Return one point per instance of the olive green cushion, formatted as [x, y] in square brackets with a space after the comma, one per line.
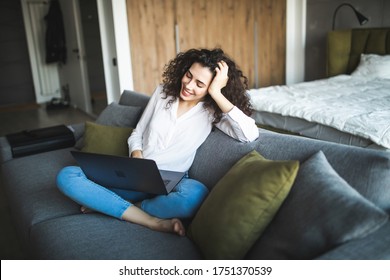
[344, 47]
[321, 212]
[116, 115]
[338, 50]
[103, 139]
[241, 205]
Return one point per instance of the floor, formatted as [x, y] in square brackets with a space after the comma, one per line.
[35, 116]
[15, 119]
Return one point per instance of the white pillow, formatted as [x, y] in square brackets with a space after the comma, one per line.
[373, 66]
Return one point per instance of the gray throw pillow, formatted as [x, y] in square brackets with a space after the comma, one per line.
[321, 212]
[119, 115]
[116, 115]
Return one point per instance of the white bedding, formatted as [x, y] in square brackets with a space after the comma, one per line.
[352, 104]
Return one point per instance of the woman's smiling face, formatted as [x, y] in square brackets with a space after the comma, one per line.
[195, 83]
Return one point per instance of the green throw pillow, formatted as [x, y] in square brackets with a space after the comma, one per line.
[241, 205]
[103, 139]
[321, 212]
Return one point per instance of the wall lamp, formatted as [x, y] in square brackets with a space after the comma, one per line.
[361, 18]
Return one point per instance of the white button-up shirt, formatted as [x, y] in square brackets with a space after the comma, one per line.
[172, 141]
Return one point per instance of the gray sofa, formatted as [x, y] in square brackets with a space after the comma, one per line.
[337, 208]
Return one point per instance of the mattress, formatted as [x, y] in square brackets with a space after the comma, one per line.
[312, 130]
[342, 109]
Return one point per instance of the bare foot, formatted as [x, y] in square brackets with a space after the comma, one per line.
[136, 215]
[170, 225]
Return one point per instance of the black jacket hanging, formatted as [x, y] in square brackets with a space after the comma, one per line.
[55, 34]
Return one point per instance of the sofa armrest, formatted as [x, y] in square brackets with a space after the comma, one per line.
[372, 247]
[78, 130]
[5, 150]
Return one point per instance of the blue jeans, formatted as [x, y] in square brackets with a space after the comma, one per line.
[182, 202]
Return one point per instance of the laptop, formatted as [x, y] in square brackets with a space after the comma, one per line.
[127, 173]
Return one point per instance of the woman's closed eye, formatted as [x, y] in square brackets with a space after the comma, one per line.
[199, 84]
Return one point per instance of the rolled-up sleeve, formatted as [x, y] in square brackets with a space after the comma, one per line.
[239, 126]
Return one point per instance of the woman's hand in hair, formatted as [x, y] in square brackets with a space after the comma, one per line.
[220, 80]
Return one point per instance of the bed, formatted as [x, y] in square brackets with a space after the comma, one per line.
[351, 106]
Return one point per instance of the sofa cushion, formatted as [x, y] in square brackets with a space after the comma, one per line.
[98, 237]
[133, 98]
[321, 212]
[223, 156]
[114, 115]
[103, 139]
[5, 150]
[119, 115]
[366, 170]
[241, 205]
[32, 192]
[370, 247]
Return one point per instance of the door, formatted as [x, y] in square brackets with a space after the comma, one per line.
[54, 80]
[74, 74]
[45, 76]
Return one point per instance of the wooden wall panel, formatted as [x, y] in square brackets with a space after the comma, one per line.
[235, 26]
[227, 24]
[152, 40]
[271, 31]
[263, 12]
[278, 74]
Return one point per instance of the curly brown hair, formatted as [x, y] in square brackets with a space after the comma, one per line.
[235, 90]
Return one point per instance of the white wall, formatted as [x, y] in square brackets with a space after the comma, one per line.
[295, 41]
[122, 42]
[106, 27]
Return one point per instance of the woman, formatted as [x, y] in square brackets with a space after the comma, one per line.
[201, 89]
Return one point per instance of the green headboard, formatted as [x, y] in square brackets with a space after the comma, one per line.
[344, 47]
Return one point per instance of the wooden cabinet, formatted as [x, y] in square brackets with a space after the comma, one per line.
[251, 32]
